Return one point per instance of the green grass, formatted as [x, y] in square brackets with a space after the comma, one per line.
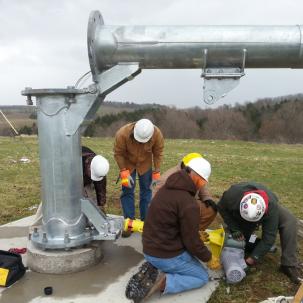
[278, 166]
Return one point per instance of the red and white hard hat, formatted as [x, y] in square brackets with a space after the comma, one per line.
[252, 207]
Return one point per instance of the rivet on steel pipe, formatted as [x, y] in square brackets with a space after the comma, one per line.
[222, 52]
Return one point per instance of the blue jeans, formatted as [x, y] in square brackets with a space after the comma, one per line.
[128, 196]
[183, 272]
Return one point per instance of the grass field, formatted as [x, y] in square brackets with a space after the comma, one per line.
[278, 166]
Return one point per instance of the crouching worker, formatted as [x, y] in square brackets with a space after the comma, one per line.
[246, 206]
[95, 169]
[207, 207]
[171, 240]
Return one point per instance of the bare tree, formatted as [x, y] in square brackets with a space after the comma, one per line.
[226, 124]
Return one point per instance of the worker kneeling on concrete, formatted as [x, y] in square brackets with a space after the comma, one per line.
[246, 206]
[207, 207]
[171, 240]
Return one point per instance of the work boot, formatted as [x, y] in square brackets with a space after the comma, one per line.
[126, 233]
[141, 282]
[291, 272]
[158, 285]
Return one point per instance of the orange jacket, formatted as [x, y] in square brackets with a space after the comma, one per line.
[131, 154]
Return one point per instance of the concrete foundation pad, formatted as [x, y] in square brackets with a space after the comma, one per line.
[103, 282]
[62, 262]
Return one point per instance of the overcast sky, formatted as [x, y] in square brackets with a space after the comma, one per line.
[43, 45]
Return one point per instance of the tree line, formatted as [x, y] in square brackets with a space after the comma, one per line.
[277, 120]
[267, 120]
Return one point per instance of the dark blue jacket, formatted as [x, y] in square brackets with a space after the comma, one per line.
[229, 208]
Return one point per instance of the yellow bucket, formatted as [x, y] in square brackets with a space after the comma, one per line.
[216, 241]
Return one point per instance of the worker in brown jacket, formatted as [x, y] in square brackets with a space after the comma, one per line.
[171, 240]
[138, 146]
[207, 207]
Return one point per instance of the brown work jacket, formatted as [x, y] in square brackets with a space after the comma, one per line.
[131, 154]
[172, 223]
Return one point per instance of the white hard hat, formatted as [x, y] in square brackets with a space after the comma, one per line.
[252, 207]
[201, 167]
[99, 168]
[143, 130]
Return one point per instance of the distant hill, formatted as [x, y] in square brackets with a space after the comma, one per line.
[114, 107]
[266, 120]
[107, 107]
[20, 109]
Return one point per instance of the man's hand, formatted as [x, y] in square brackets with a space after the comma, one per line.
[126, 178]
[237, 235]
[155, 178]
[250, 261]
[212, 204]
[214, 263]
[204, 236]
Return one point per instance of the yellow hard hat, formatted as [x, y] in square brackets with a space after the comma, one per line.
[190, 156]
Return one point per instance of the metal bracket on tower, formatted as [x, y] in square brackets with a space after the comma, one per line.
[109, 80]
[219, 81]
[107, 227]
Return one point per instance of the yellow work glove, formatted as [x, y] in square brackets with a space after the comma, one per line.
[204, 236]
[214, 263]
[126, 178]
